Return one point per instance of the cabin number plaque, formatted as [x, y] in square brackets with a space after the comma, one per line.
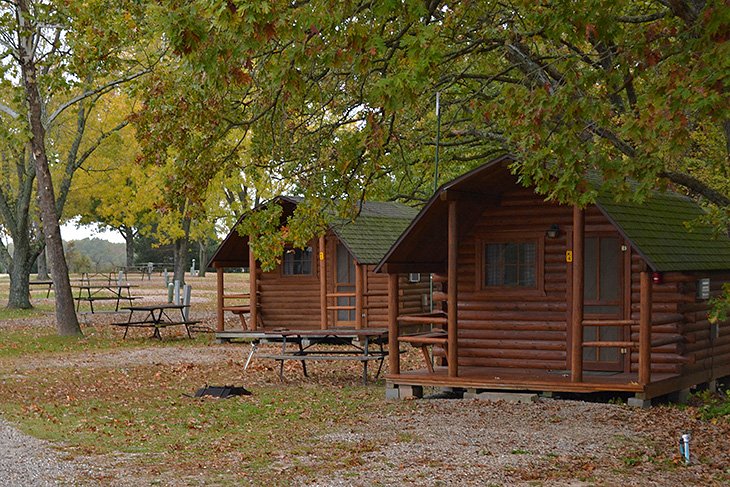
[568, 256]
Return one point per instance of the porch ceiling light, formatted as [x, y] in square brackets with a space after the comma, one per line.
[553, 231]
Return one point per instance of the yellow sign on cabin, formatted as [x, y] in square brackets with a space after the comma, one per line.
[568, 256]
[321, 256]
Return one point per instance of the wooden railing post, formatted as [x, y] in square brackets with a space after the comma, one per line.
[323, 324]
[452, 295]
[358, 295]
[645, 298]
[253, 288]
[393, 329]
[576, 305]
[220, 326]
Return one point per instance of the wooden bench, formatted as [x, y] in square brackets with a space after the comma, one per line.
[156, 326]
[424, 340]
[241, 309]
[304, 357]
[374, 356]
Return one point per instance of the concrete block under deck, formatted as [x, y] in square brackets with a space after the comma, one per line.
[639, 402]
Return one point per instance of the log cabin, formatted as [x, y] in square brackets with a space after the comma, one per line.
[551, 298]
[328, 284]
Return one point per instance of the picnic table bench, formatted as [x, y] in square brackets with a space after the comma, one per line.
[354, 346]
[436, 336]
[156, 316]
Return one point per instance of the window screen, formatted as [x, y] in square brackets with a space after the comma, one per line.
[510, 264]
[298, 262]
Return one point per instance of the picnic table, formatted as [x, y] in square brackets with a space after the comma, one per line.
[156, 316]
[341, 343]
[42, 283]
[102, 291]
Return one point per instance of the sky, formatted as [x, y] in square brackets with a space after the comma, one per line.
[70, 231]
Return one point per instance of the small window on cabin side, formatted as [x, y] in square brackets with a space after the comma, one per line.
[510, 264]
[298, 262]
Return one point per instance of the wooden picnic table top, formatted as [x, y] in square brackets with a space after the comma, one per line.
[154, 307]
[45, 283]
[333, 332]
[103, 286]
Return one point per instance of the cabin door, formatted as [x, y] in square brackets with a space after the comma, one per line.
[603, 300]
[344, 287]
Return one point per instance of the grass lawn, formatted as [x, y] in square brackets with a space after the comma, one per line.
[140, 412]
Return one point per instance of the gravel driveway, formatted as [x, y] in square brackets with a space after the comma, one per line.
[27, 461]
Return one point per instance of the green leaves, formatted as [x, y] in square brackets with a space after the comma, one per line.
[336, 99]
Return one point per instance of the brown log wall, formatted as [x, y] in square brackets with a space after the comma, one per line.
[290, 301]
[526, 330]
[294, 301]
[709, 344]
[411, 299]
[529, 330]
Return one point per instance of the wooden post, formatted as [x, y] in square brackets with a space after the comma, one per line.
[253, 288]
[576, 305]
[219, 286]
[358, 296]
[452, 316]
[393, 347]
[645, 298]
[323, 324]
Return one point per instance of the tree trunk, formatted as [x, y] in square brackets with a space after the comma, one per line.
[128, 234]
[20, 276]
[42, 266]
[66, 320]
[203, 256]
[180, 252]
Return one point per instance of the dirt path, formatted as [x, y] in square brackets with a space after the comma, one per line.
[134, 357]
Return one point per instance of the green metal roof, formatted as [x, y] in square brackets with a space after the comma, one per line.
[659, 231]
[373, 232]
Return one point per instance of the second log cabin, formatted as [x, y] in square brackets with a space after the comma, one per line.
[327, 284]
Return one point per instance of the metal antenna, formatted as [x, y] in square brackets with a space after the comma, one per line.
[435, 181]
[438, 139]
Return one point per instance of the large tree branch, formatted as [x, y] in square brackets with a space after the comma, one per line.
[615, 140]
[698, 187]
[9, 111]
[687, 10]
[641, 19]
[101, 89]
[74, 162]
[5, 256]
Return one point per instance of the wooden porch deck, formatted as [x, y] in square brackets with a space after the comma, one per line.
[520, 380]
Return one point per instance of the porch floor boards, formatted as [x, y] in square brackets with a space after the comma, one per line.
[519, 379]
